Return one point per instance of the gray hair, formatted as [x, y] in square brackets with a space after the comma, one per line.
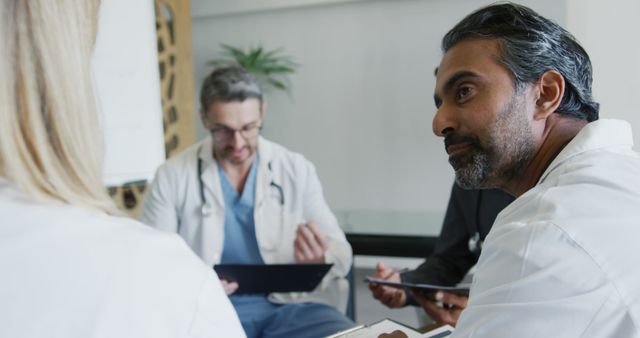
[531, 45]
[229, 84]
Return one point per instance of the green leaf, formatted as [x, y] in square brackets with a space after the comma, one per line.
[270, 67]
[277, 84]
[254, 55]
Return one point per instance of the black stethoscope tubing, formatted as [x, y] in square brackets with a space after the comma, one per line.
[203, 198]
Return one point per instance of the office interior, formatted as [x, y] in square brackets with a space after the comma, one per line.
[360, 106]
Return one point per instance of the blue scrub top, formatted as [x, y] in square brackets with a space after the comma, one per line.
[240, 243]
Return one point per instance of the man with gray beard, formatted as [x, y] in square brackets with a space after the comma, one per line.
[515, 109]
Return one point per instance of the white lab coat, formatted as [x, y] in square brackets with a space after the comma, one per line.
[173, 203]
[562, 260]
[71, 273]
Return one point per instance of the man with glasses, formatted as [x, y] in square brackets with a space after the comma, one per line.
[237, 198]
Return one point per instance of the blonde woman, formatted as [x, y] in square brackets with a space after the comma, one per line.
[70, 266]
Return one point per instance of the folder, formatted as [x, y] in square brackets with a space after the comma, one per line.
[268, 278]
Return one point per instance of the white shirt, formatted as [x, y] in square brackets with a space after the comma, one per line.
[562, 260]
[173, 203]
[68, 272]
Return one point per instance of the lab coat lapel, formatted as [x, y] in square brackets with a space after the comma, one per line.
[209, 176]
[264, 174]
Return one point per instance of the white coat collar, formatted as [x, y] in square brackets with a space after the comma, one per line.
[209, 176]
[599, 134]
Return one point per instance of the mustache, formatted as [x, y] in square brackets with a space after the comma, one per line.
[452, 139]
[231, 148]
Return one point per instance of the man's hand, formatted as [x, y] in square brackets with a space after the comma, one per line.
[310, 244]
[445, 309]
[228, 286]
[394, 334]
[389, 296]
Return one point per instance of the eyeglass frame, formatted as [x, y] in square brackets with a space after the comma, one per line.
[229, 133]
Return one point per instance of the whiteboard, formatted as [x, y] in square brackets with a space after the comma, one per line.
[127, 79]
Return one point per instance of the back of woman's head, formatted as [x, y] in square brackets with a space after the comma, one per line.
[50, 142]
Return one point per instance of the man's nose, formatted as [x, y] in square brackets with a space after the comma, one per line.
[237, 138]
[444, 121]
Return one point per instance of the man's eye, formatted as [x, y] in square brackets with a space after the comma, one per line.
[248, 128]
[463, 92]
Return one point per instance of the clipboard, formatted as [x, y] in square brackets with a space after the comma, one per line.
[460, 289]
[387, 326]
[268, 278]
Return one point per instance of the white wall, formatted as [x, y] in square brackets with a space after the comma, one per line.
[362, 99]
[125, 69]
[209, 8]
[609, 30]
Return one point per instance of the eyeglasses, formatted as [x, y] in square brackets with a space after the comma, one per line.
[224, 133]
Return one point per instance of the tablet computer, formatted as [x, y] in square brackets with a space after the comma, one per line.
[268, 278]
[461, 289]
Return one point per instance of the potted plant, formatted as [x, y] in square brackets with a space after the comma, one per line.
[270, 67]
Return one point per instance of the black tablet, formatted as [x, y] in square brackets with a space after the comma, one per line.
[461, 289]
[268, 278]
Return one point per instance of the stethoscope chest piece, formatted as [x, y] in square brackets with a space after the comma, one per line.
[206, 210]
[475, 243]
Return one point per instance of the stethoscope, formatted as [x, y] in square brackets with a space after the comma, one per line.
[475, 241]
[206, 210]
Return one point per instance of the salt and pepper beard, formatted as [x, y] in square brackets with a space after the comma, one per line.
[509, 149]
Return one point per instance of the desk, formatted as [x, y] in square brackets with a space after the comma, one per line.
[391, 232]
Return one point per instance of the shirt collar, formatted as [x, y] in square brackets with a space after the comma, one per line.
[595, 135]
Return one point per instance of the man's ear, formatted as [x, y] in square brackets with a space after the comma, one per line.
[550, 91]
[263, 109]
[204, 119]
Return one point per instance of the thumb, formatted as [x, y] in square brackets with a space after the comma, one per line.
[382, 270]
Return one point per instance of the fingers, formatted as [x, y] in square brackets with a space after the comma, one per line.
[442, 315]
[382, 271]
[386, 273]
[228, 286]
[317, 235]
[438, 314]
[452, 299]
[394, 334]
[310, 245]
[302, 251]
[389, 296]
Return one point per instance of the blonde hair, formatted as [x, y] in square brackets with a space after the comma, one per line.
[50, 140]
